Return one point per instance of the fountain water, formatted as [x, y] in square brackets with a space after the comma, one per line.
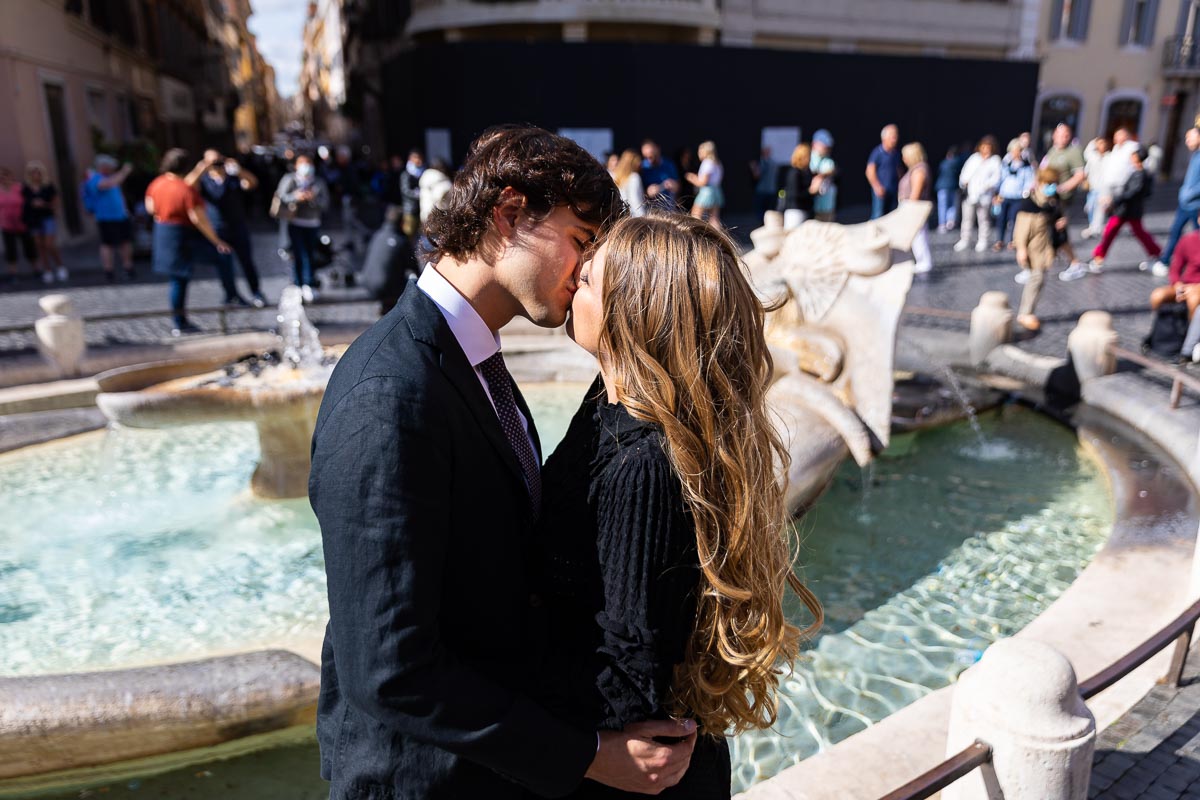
[280, 394]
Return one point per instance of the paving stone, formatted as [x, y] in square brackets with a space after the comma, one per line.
[1114, 766]
[1156, 792]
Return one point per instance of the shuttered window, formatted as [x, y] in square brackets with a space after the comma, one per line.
[1069, 20]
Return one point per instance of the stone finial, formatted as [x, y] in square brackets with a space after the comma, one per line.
[991, 325]
[768, 240]
[1022, 699]
[1088, 345]
[60, 334]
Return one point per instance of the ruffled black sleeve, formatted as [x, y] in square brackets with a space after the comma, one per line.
[647, 552]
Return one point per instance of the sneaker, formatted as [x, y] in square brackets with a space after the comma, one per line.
[1095, 267]
[941, 229]
[62, 274]
[184, 328]
[961, 245]
[1073, 272]
[921, 269]
[1159, 269]
[236, 301]
[258, 301]
[47, 276]
[981, 246]
[997, 247]
[1022, 277]
[307, 293]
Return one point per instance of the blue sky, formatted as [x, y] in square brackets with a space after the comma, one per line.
[279, 27]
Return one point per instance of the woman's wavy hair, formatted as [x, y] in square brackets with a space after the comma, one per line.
[682, 333]
[547, 169]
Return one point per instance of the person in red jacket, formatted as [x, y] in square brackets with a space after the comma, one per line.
[1183, 281]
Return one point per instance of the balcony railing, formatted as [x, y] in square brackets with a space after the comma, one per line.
[1181, 57]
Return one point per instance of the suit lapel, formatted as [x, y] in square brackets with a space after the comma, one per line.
[428, 325]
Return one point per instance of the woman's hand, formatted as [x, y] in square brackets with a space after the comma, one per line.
[222, 247]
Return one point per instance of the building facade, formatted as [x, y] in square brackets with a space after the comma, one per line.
[322, 92]
[131, 77]
[1110, 63]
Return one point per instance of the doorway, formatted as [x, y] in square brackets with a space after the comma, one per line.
[56, 112]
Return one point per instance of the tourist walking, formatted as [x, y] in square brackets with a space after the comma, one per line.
[659, 177]
[709, 196]
[917, 185]
[1016, 180]
[104, 199]
[303, 198]
[883, 172]
[824, 170]
[410, 193]
[979, 179]
[434, 185]
[1189, 203]
[1039, 216]
[183, 234]
[766, 182]
[947, 190]
[1095, 206]
[12, 226]
[796, 201]
[223, 184]
[41, 205]
[1128, 206]
[627, 177]
[1065, 157]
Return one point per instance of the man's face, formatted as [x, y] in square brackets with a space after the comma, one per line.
[1062, 136]
[587, 310]
[416, 160]
[540, 265]
[650, 152]
[1102, 146]
[1192, 140]
[1120, 137]
[890, 137]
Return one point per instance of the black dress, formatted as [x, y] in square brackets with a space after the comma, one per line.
[619, 575]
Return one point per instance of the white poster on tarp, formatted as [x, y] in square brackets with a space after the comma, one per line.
[596, 141]
[437, 144]
[782, 142]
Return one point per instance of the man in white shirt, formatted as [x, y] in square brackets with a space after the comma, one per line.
[426, 482]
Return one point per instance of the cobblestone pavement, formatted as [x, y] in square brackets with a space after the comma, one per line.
[1153, 752]
[957, 281]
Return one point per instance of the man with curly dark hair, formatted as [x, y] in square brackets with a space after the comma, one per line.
[426, 482]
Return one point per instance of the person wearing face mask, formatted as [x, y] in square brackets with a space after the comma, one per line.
[1039, 217]
[303, 197]
[222, 185]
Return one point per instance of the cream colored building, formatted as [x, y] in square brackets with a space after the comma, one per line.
[65, 80]
[966, 28]
[1106, 63]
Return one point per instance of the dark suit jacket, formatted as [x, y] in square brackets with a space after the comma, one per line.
[434, 634]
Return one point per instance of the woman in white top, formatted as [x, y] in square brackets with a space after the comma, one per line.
[979, 180]
[709, 198]
[629, 182]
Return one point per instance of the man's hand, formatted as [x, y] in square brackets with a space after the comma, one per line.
[878, 189]
[630, 760]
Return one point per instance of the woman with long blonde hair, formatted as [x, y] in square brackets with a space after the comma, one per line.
[663, 526]
[629, 182]
[710, 198]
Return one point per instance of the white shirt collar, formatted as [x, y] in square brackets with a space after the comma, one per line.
[477, 340]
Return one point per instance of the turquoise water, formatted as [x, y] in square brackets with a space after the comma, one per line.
[147, 539]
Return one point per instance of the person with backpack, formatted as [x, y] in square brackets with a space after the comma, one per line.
[1128, 206]
[104, 199]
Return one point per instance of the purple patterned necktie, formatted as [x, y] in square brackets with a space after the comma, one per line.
[499, 383]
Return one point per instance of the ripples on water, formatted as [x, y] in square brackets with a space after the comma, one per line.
[144, 546]
[962, 540]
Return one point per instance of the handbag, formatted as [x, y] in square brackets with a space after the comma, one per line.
[278, 210]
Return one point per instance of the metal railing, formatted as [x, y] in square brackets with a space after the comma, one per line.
[1181, 56]
[1179, 630]
[1179, 378]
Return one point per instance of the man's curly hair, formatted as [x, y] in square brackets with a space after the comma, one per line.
[549, 170]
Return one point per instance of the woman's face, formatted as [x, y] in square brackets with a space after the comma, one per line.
[985, 150]
[587, 308]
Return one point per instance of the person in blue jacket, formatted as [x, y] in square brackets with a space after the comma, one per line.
[1189, 203]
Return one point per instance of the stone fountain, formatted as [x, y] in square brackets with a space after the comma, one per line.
[279, 392]
[839, 291]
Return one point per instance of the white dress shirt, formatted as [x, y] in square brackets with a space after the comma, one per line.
[477, 340]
